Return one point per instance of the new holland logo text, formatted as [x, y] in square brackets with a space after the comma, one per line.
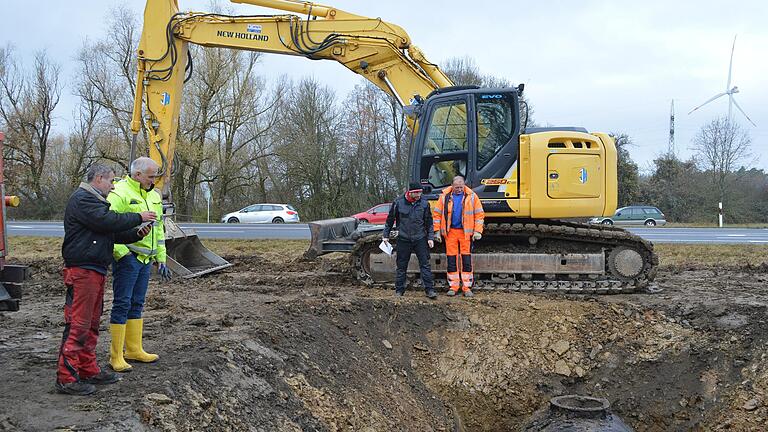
[246, 36]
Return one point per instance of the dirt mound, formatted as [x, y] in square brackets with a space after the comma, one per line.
[282, 344]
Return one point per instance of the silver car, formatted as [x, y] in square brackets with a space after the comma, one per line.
[263, 213]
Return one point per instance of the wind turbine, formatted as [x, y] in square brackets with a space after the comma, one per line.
[730, 91]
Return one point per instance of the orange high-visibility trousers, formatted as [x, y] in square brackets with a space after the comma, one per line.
[458, 249]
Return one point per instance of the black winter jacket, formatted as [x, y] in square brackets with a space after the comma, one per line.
[414, 220]
[91, 229]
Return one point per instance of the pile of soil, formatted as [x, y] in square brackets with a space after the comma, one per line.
[283, 344]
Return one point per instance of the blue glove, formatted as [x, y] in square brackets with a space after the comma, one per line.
[164, 272]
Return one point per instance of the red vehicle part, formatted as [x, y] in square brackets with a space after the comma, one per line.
[376, 215]
[11, 276]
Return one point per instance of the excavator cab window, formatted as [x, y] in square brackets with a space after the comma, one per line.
[445, 150]
[495, 126]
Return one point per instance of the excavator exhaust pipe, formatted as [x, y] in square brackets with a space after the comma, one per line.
[187, 257]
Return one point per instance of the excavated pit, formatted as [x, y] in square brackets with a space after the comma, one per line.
[282, 344]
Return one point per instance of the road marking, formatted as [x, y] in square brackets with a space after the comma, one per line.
[736, 235]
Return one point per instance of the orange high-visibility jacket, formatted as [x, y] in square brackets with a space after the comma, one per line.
[473, 216]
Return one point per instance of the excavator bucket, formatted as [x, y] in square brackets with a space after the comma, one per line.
[337, 235]
[331, 235]
[187, 257]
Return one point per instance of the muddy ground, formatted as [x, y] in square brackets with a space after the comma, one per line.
[277, 344]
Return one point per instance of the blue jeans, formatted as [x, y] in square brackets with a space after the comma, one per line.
[130, 279]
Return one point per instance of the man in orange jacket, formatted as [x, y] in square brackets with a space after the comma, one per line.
[458, 217]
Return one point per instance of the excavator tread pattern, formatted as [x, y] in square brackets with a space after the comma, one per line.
[605, 236]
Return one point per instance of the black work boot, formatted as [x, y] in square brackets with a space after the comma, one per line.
[77, 388]
[101, 378]
[431, 294]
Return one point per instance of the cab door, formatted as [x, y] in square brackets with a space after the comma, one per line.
[444, 138]
[497, 126]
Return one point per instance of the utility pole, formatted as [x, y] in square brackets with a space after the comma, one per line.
[671, 149]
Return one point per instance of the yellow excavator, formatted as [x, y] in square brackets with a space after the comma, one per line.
[527, 178]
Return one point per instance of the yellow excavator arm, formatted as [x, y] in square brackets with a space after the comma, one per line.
[379, 51]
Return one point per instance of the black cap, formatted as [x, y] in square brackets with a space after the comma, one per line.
[414, 186]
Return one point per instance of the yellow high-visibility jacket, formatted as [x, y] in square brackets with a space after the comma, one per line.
[129, 197]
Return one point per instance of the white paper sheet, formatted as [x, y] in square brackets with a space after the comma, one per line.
[386, 247]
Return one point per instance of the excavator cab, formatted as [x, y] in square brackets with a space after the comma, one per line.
[471, 132]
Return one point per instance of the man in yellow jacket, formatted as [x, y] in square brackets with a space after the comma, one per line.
[132, 265]
[458, 218]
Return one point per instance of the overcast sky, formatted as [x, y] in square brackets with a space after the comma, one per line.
[610, 66]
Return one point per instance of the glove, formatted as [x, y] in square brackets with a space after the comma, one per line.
[476, 236]
[164, 272]
[386, 239]
[430, 243]
[437, 237]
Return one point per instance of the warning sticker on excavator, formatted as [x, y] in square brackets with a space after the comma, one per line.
[254, 28]
[165, 99]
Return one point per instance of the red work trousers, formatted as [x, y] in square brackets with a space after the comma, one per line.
[459, 251]
[82, 311]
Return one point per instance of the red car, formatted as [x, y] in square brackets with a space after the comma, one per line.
[375, 215]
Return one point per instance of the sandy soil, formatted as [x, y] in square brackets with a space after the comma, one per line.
[277, 344]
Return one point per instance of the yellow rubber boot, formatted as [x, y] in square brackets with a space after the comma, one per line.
[116, 359]
[133, 348]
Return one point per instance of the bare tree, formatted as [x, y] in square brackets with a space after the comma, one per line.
[240, 137]
[108, 72]
[81, 144]
[721, 146]
[27, 101]
[314, 157]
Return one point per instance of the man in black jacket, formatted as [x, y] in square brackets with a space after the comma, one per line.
[90, 231]
[413, 216]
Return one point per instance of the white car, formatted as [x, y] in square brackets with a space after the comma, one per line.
[263, 213]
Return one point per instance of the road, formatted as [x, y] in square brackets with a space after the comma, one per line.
[301, 232]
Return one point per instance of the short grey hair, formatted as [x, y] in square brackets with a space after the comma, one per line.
[98, 170]
[142, 164]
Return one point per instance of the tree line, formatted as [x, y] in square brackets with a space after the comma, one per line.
[248, 139]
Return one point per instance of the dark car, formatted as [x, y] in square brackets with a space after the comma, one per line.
[633, 215]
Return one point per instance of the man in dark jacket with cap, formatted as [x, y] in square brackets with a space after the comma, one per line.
[413, 218]
[90, 231]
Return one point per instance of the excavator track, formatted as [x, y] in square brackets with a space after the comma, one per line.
[630, 263]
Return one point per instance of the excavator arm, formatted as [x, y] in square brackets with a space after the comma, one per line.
[379, 51]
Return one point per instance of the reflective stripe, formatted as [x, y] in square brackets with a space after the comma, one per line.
[141, 250]
[161, 242]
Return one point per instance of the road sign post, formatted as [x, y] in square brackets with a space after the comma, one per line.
[720, 214]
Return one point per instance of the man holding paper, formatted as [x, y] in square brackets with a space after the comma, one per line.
[412, 216]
